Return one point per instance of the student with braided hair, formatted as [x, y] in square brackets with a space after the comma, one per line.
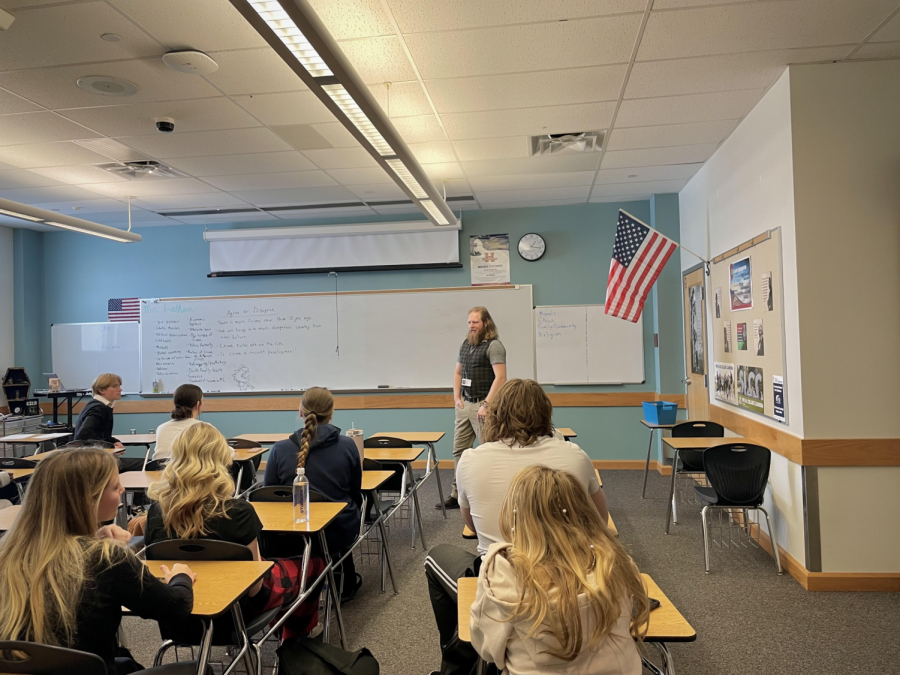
[332, 467]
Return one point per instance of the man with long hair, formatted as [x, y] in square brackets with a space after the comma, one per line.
[480, 372]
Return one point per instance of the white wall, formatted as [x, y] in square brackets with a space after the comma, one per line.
[7, 345]
[745, 188]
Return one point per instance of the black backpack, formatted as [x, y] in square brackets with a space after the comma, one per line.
[303, 656]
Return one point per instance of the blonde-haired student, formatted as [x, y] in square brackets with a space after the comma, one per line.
[559, 594]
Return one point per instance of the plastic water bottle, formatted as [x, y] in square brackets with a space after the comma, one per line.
[301, 497]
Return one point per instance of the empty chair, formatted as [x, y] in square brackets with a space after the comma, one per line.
[9, 463]
[737, 474]
[688, 461]
[37, 659]
[244, 480]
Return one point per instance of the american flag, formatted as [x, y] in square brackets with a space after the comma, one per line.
[639, 255]
[124, 309]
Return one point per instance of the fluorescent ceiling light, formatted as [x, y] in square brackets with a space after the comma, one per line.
[96, 234]
[435, 212]
[354, 113]
[403, 174]
[292, 37]
[54, 219]
[21, 215]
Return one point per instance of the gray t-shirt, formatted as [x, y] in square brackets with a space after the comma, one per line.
[496, 353]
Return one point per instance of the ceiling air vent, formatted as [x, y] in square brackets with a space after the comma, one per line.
[142, 170]
[566, 144]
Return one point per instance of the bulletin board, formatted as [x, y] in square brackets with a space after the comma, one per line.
[748, 369]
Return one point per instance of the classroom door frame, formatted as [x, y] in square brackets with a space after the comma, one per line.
[696, 384]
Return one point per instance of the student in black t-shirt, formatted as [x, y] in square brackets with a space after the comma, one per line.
[64, 579]
[194, 500]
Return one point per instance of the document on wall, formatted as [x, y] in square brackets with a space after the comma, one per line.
[778, 397]
[750, 388]
[758, 337]
[489, 259]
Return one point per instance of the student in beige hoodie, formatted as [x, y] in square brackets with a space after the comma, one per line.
[560, 594]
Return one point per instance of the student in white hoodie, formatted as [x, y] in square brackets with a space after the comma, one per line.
[188, 400]
[559, 594]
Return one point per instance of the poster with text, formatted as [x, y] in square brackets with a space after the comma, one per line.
[718, 303]
[727, 330]
[778, 397]
[740, 286]
[489, 259]
[750, 388]
[742, 337]
[767, 290]
[758, 337]
[725, 382]
[695, 296]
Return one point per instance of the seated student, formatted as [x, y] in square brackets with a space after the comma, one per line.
[64, 579]
[557, 594]
[193, 500]
[188, 400]
[518, 432]
[332, 467]
[95, 423]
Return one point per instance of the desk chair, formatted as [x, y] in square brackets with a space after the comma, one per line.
[685, 462]
[242, 483]
[17, 463]
[738, 473]
[41, 659]
[225, 633]
[400, 478]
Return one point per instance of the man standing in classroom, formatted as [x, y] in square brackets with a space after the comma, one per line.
[480, 372]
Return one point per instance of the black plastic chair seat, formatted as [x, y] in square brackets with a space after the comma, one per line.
[16, 463]
[709, 496]
[43, 659]
[179, 668]
[253, 625]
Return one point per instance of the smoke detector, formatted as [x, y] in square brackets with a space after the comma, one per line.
[142, 170]
[190, 62]
[107, 86]
[568, 143]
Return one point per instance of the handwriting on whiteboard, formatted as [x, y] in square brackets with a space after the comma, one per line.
[549, 327]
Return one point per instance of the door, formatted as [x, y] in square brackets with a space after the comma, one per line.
[697, 380]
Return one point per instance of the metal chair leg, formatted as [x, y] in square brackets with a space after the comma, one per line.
[705, 526]
[670, 509]
[419, 520]
[386, 555]
[161, 652]
[647, 465]
[668, 662]
[772, 539]
[437, 477]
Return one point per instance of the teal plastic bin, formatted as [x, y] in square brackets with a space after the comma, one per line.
[660, 412]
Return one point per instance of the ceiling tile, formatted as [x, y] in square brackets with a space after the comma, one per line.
[878, 50]
[48, 154]
[20, 178]
[341, 158]
[252, 217]
[81, 209]
[205, 114]
[398, 209]
[40, 195]
[378, 192]
[48, 36]
[361, 176]
[401, 99]
[522, 48]
[10, 103]
[691, 108]
[553, 164]
[533, 204]
[529, 121]
[229, 165]
[890, 32]
[630, 138]
[683, 4]
[442, 170]
[527, 90]
[757, 26]
[270, 181]
[434, 152]
[647, 173]
[532, 181]
[302, 107]
[200, 143]
[621, 198]
[319, 214]
[379, 59]
[291, 196]
[302, 136]
[57, 87]
[139, 218]
[337, 134]
[143, 188]
[347, 19]
[455, 187]
[40, 127]
[79, 175]
[420, 129]
[414, 16]
[536, 194]
[727, 72]
[650, 187]
[204, 25]
[492, 148]
[189, 201]
[17, 4]
[679, 154]
[254, 71]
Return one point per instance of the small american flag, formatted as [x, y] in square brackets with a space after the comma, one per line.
[124, 309]
[639, 254]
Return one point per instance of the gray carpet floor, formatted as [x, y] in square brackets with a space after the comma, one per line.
[749, 620]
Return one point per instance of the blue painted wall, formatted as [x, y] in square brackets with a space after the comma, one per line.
[174, 261]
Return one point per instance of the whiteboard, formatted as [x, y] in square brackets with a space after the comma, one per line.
[579, 344]
[350, 340]
[81, 351]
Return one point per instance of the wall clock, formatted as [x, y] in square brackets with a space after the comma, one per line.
[532, 247]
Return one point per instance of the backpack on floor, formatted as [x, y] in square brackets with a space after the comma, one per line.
[302, 656]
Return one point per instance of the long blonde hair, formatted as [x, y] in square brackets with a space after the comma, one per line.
[558, 540]
[317, 406]
[196, 483]
[47, 555]
[520, 412]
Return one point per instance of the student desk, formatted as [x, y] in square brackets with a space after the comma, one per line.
[405, 457]
[371, 482]
[138, 481]
[428, 439]
[279, 517]
[31, 439]
[219, 586]
[689, 443]
[666, 622]
[652, 427]
[8, 516]
[264, 439]
[137, 439]
[44, 455]
[567, 433]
